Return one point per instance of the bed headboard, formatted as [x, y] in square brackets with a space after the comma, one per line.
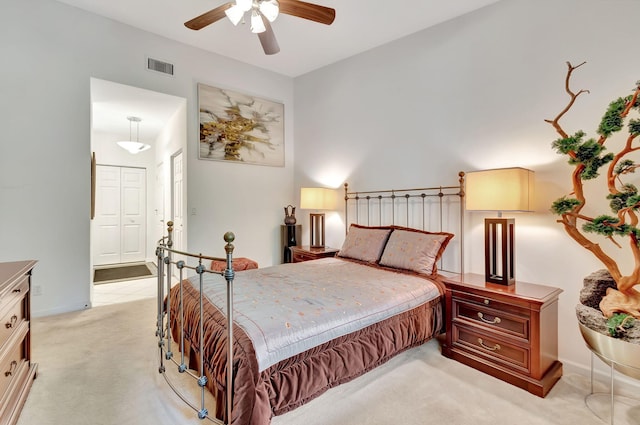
[436, 209]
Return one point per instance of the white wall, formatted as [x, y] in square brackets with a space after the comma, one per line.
[473, 94]
[49, 53]
[169, 142]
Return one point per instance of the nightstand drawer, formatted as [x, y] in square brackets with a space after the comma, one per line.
[491, 347]
[301, 256]
[491, 314]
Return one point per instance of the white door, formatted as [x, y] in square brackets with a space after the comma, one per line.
[177, 201]
[107, 218]
[133, 218]
[120, 223]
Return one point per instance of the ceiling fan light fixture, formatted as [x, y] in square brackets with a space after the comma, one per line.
[244, 5]
[234, 13]
[257, 25]
[130, 145]
[270, 9]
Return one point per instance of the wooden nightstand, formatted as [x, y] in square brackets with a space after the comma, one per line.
[509, 332]
[306, 253]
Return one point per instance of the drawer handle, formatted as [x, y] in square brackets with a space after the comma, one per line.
[12, 368]
[18, 290]
[486, 347]
[495, 320]
[11, 323]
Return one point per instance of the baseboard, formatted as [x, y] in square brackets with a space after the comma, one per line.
[59, 310]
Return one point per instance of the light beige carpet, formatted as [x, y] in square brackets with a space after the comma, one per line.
[100, 367]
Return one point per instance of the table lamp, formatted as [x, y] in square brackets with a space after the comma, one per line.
[317, 198]
[500, 190]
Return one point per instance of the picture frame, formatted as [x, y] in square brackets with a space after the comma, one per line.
[237, 127]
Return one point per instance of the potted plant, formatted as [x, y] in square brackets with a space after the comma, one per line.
[602, 160]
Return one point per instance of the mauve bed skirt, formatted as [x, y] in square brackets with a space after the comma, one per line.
[292, 382]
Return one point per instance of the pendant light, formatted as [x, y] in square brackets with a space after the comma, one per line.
[136, 146]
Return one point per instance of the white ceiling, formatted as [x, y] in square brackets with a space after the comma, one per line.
[112, 103]
[360, 25]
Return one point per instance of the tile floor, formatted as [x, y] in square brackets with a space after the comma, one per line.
[128, 290]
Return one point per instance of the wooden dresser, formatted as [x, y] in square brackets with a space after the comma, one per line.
[17, 372]
[510, 332]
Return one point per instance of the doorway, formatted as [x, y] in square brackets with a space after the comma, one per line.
[163, 125]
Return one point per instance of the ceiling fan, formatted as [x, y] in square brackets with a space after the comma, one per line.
[263, 12]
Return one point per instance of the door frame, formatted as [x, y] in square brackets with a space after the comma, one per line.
[172, 197]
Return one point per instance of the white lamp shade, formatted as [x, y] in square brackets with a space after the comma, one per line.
[317, 198]
[234, 13]
[270, 9]
[503, 189]
[257, 25]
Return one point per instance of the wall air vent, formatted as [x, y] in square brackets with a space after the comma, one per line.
[160, 66]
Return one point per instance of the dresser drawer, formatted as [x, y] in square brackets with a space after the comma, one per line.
[12, 366]
[13, 317]
[491, 314]
[14, 292]
[491, 347]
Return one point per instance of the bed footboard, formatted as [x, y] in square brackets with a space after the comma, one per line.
[168, 258]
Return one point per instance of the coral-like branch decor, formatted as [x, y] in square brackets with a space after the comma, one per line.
[588, 156]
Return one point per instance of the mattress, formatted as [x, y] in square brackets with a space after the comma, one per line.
[302, 328]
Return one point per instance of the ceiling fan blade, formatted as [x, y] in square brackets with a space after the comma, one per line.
[268, 39]
[312, 12]
[208, 18]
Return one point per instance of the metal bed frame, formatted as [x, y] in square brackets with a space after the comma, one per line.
[385, 207]
[382, 207]
[165, 253]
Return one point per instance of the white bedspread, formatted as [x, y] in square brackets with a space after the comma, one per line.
[289, 308]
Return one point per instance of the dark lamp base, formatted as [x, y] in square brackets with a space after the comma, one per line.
[499, 257]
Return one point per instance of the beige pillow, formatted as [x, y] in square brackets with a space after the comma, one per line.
[364, 243]
[414, 250]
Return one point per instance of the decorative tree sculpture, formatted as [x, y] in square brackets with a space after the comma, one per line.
[588, 157]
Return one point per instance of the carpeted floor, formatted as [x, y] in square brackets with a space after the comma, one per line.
[99, 367]
[120, 273]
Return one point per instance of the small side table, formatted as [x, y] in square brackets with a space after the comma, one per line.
[509, 332]
[306, 253]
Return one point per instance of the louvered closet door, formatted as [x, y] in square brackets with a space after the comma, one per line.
[120, 222]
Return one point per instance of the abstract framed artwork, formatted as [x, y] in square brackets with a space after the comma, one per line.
[241, 128]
